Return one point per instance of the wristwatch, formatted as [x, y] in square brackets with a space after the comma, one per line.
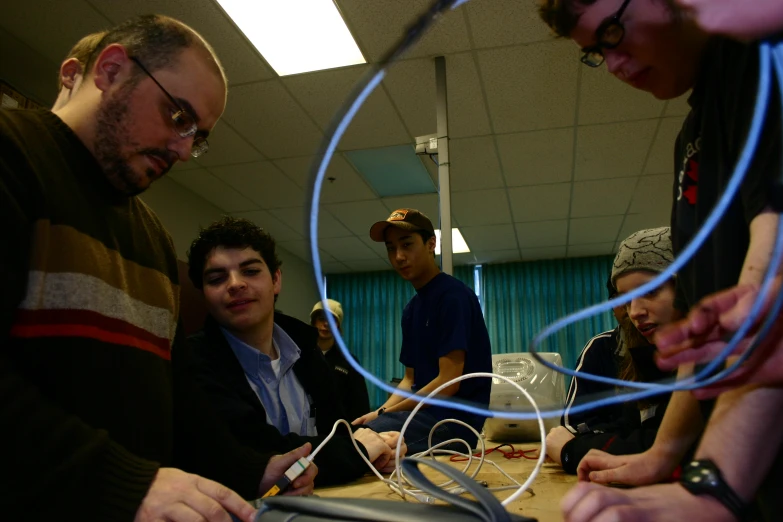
[702, 477]
[380, 411]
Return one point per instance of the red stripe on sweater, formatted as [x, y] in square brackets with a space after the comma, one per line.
[88, 318]
[90, 332]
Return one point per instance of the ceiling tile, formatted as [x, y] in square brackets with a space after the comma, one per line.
[301, 249]
[428, 204]
[378, 25]
[635, 222]
[653, 195]
[596, 249]
[540, 202]
[531, 87]
[359, 216]
[594, 230]
[240, 60]
[532, 254]
[347, 186]
[490, 237]
[661, 157]
[678, 106]
[263, 183]
[368, 265]
[348, 249]
[295, 217]
[605, 99]
[613, 150]
[533, 158]
[603, 197]
[275, 227]
[474, 164]
[465, 97]
[498, 256]
[542, 234]
[411, 85]
[481, 207]
[266, 115]
[51, 28]
[213, 190]
[226, 147]
[322, 93]
[505, 22]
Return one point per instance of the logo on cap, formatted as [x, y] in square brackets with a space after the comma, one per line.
[398, 215]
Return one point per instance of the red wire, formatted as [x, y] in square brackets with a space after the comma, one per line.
[513, 454]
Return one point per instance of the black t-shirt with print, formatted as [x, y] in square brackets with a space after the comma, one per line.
[708, 147]
[707, 150]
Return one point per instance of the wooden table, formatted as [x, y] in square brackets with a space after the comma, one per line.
[543, 504]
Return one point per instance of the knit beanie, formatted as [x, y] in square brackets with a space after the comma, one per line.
[649, 249]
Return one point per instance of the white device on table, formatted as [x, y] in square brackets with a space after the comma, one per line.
[546, 386]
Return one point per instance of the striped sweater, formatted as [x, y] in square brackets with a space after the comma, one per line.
[88, 313]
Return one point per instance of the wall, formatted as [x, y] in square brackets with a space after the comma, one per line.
[183, 213]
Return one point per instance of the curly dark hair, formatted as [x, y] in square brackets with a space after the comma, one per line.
[230, 232]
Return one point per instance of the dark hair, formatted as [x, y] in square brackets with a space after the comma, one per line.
[610, 288]
[155, 40]
[82, 52]
[563, 15]
[230, 232]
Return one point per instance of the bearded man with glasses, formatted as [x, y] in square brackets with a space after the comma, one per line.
[96, 412]
[658, 46]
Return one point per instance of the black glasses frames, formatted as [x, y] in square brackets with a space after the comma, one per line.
[184, 122]
[608, 35]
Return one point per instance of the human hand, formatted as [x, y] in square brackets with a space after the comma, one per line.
[663, 503]
[277, 466]
[178, 496]
[699, 338]
[735, 19]
[640, 469]
[555, 440]
[364, 419]
[392, 438]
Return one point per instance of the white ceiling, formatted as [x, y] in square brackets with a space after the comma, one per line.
[549, 158]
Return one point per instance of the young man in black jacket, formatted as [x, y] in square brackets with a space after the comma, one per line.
[262, 370]
[351, 387]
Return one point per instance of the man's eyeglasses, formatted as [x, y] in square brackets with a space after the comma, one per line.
[608, 36]
[183, 121]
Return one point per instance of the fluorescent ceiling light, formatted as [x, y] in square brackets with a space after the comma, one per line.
[458, 244]
[296, 36]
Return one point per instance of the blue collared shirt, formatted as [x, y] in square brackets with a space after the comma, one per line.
[285, 401]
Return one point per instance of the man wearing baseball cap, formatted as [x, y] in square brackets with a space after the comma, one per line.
[443, 337]
[351, 388]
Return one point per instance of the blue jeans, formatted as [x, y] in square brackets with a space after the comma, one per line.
[418, 430]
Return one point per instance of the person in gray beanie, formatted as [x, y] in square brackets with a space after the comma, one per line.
[641, 257]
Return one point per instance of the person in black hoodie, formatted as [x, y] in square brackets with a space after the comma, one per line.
[640, 258]
[262, 370]
[351, 387]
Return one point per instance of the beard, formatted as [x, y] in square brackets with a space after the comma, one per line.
[112, 137]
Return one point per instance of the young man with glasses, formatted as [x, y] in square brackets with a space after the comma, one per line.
[657, 46]
[93, 411]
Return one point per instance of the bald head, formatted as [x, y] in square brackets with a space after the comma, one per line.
[157, 41]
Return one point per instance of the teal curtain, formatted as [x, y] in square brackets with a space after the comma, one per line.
[372, 304]
[520, 299]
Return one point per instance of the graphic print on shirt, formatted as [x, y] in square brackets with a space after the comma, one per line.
[688, 177]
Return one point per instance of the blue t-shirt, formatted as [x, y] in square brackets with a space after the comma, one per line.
[444, 316]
